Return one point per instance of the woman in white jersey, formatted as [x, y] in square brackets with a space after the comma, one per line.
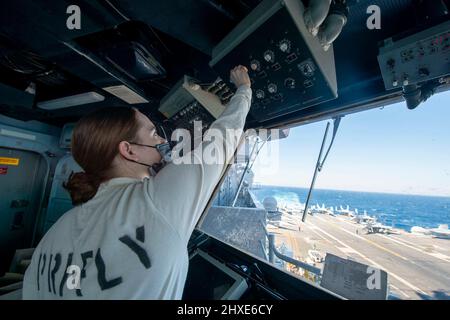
[126, 237]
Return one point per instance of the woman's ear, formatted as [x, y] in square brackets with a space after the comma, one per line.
[126, 151]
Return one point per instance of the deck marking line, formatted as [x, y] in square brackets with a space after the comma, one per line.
[411, 245]
[371, 242]
[375, 264]
[401, 291]
[436, 255]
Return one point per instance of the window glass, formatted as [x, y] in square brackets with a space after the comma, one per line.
[377, 219]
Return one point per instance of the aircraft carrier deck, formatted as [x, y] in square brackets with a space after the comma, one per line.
[418, 266]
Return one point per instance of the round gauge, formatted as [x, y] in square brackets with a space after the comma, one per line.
[272, 88]
[259, 94]
[269, 56]
[255, 65]
[284, 45]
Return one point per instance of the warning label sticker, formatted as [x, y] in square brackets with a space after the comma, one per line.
[9, 161]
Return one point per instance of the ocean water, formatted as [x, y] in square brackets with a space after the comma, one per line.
[396, 210]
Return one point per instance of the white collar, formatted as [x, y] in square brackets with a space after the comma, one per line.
[118, 181]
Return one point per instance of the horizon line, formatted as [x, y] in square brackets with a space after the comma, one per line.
[362, 191]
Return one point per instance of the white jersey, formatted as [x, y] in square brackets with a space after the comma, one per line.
[130, 240]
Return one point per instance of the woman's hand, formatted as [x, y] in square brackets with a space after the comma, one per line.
[239, 76]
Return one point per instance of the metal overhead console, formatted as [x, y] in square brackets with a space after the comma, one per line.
[288, 67]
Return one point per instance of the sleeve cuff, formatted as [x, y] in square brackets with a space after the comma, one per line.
[245, 91]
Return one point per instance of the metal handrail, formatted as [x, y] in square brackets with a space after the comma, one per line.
[293, 261]
[273, 250]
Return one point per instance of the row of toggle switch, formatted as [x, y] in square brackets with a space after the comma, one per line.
[220, 89]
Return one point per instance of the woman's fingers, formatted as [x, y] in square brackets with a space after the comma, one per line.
[239, 76]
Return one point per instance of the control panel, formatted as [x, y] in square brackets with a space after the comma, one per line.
[418, 58]
[288, 68]
[194, 107]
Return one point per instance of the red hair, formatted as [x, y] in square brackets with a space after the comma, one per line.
[95, 143]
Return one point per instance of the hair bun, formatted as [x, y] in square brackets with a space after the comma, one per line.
[82, 186]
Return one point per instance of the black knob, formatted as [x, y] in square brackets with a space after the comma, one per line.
[423, 72]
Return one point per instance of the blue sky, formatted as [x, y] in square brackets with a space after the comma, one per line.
[393, 150]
